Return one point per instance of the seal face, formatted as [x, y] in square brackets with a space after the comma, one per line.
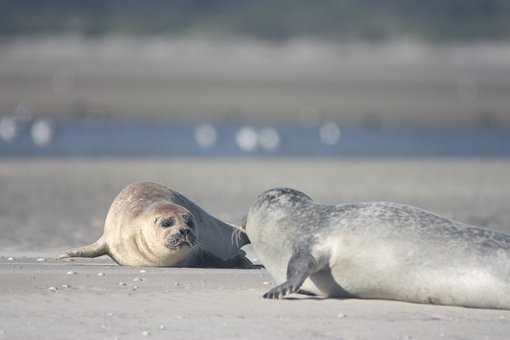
[379, 250]
[151, 225]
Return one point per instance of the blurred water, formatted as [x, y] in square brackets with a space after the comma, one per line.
[107, 138]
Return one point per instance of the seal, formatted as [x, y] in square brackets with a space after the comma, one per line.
[377, 250]
[149, 224]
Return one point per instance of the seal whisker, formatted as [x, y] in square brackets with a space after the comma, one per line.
[235, 237]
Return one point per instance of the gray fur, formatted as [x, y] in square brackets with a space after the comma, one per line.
[378, 250]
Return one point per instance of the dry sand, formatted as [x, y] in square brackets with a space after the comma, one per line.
[47, 206]
[207, 304]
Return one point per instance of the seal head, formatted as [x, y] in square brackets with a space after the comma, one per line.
[280, 197]
[174, 226]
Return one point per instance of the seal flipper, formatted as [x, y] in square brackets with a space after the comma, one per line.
[95, 249]
[301, 266]
[208, 260]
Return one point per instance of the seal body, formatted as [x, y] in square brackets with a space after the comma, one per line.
[151, 225]
[377, 250]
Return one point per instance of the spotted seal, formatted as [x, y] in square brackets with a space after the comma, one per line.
[377, 250]
[149, 224]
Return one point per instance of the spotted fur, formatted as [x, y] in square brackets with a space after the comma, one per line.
[381, 250]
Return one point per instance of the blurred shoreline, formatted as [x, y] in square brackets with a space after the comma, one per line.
[395, 83]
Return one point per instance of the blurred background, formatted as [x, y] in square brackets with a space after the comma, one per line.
[366, 99]
[221, 77]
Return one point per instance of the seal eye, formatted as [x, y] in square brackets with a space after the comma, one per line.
[168, 222]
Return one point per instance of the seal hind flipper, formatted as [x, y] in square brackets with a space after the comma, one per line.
[95, 249]
[209, 260]
[301, 265]
[245, 263]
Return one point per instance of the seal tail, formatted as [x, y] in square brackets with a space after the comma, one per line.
[95, 249]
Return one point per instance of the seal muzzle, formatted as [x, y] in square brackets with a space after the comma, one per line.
[185, 237]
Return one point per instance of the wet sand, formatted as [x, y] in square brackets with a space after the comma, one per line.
[49, 205]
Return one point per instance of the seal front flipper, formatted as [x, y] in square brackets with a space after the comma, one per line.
[95, 249]
[301, 266]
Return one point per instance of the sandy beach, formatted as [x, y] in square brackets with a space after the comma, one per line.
[47, 206]
[175, 303]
